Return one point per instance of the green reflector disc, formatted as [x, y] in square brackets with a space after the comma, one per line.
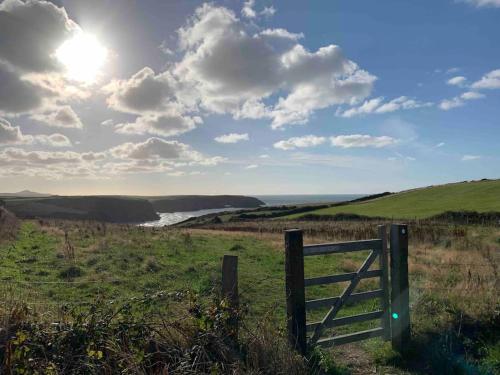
[395, 315]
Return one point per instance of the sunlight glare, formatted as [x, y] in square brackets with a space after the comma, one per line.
[83, 57]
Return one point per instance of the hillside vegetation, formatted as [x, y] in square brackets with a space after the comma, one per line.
[478, 196]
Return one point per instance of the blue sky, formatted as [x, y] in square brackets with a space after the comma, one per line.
[255, 97]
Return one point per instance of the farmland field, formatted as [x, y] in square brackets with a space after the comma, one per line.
[53, 266]
[479, 196]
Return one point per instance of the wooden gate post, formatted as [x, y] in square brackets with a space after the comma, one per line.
[384, 283]
[230, 289]
[400, 296]
[295, 290]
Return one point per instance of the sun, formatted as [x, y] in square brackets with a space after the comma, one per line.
[82, 56]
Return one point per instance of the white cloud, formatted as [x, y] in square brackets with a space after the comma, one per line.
[377, 105]
[457, 81]
[472, 95]
[484, 3]
[459, 101]
[247, 10]
[300, 142]
[359, 140]
[490, 80]
[470, 157]
[264, 156]
[226, 66]
[251, 166]
[440, 144]
[62, 117]
[11, 134]
[452, 70]
[159, 124]
[281, 33]
[53, 140]
[268, 11]
[448, 104]
[108, 122]
[232, 138]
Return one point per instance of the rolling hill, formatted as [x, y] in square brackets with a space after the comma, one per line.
[479, 196]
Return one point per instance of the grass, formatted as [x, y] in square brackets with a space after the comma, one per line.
[453, 270]
[479, 196]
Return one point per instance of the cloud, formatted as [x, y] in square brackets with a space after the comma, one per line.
[31, 31]
[62, 117]
[232, 138]
[53, 140]
[490, 80]
[300, 142]
[251, 166]
[11, 134]
[144, 91]
[377, 105]
[470, 157]
[484, 3]
[108, 122]
[440, 144]
[268, 11]
[459, 101]
[359, 140]
[457, 81]
[159, 149]
[226, 66]
[264, 156]
[281, 33]
[17, 95]
[159, 124]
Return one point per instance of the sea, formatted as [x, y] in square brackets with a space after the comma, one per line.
[169, 218]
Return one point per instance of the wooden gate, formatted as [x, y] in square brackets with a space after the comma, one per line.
[296, 284]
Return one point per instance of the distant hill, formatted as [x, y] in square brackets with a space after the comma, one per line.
[119, 209]
[25, 194]
[478, 196]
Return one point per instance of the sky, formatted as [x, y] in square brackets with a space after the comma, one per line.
[247, 97]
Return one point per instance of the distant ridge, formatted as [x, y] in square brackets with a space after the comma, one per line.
[25, 194]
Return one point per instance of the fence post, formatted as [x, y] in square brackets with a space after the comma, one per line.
[295, 290]
[400, 296]
[384, 283]
[230, 289]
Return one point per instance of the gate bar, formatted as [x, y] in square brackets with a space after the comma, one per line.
[372, 315]
[340, 278]
[351, 337]
[355, 297]
[342, 247]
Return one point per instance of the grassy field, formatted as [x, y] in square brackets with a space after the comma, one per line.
[454, 275]
[479, 196]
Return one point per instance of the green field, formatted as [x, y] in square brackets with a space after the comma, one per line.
[56, 267]
[479, 196]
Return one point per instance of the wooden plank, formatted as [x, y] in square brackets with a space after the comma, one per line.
[295, 291]
[351, 337]
[342, 247]
[400, 306]
[384, 283]
[340, 278]
[345, 294]
[355, 297]
[230, 290]
[348, 320]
